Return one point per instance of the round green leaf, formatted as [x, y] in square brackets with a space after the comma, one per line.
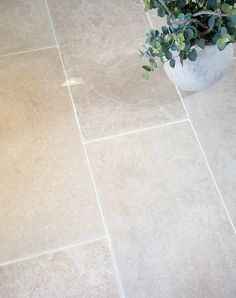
[226, 38]
[223, 31]
[147, 68]
[181, 46]
[201, 43]
[188, 34]
[181, 17]
[211, 21]
[168, 55]
[172, 63]
[164, 29]
[161, 11]
[192, 56]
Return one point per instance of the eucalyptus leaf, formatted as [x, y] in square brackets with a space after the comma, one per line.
[172, 63]
[147, 68]
[188, 34]
[201, 43]
[192, 56]
[168, 55]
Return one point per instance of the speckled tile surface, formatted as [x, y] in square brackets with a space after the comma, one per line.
[213, 113]
[100, 51]
[82, 271]
[47, 198]
[106, 186]
[24, 25]
[169, 230]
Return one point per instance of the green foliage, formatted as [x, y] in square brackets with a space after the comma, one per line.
[189, 24]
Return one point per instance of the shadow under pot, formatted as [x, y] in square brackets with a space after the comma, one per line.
[210, 66]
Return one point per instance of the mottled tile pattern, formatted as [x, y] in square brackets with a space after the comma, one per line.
[84, 271]
[170, 234]
[213, 113]
[100, 52]
[24, 25]
[47, 199]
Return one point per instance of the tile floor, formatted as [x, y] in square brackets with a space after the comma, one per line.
[110, 186]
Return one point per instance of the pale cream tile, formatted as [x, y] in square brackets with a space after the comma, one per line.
[157, 22]
[84, 271]
[46, 196]
[99, 43]
[169, 231]
[24, 25]
[213, 113]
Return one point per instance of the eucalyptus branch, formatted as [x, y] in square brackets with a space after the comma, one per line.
[176, 22]
[207, 31]
[189, 26]
[203, 12]
[217, 13]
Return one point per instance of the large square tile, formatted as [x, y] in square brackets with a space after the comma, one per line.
[84, 271]
[24, 25]
[100, 54]
[213, 113]
[46, 196]
[170, 234]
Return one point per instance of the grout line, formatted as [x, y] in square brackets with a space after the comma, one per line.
[149, 20]
[135, 131]
[28, 51]
[88, 162]
[52, 251]
[205, 158]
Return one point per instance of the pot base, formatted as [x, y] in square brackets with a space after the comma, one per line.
[209, 67]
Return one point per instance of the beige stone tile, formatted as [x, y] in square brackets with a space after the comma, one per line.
[169, 231]
[47, 199]
[24, 25]
[100, 52]
[213, 113]
[84, 271]
[157, 21]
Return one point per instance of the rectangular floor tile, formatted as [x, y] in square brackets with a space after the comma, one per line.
[169, 231]
[100, 54]
[46, 196]
[84, 271]
[213, 113]
[24, 25]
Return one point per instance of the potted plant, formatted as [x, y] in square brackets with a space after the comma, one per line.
[195, 45]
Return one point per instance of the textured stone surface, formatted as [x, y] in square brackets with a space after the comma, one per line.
[84, 271]
[169, 231]
[47, 199]
[100, 52]
[213, 113]
[24, 25]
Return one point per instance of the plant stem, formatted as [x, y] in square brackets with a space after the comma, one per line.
[217, 13]
[177, 22]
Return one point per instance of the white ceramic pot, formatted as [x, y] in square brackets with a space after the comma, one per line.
[209, 67]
